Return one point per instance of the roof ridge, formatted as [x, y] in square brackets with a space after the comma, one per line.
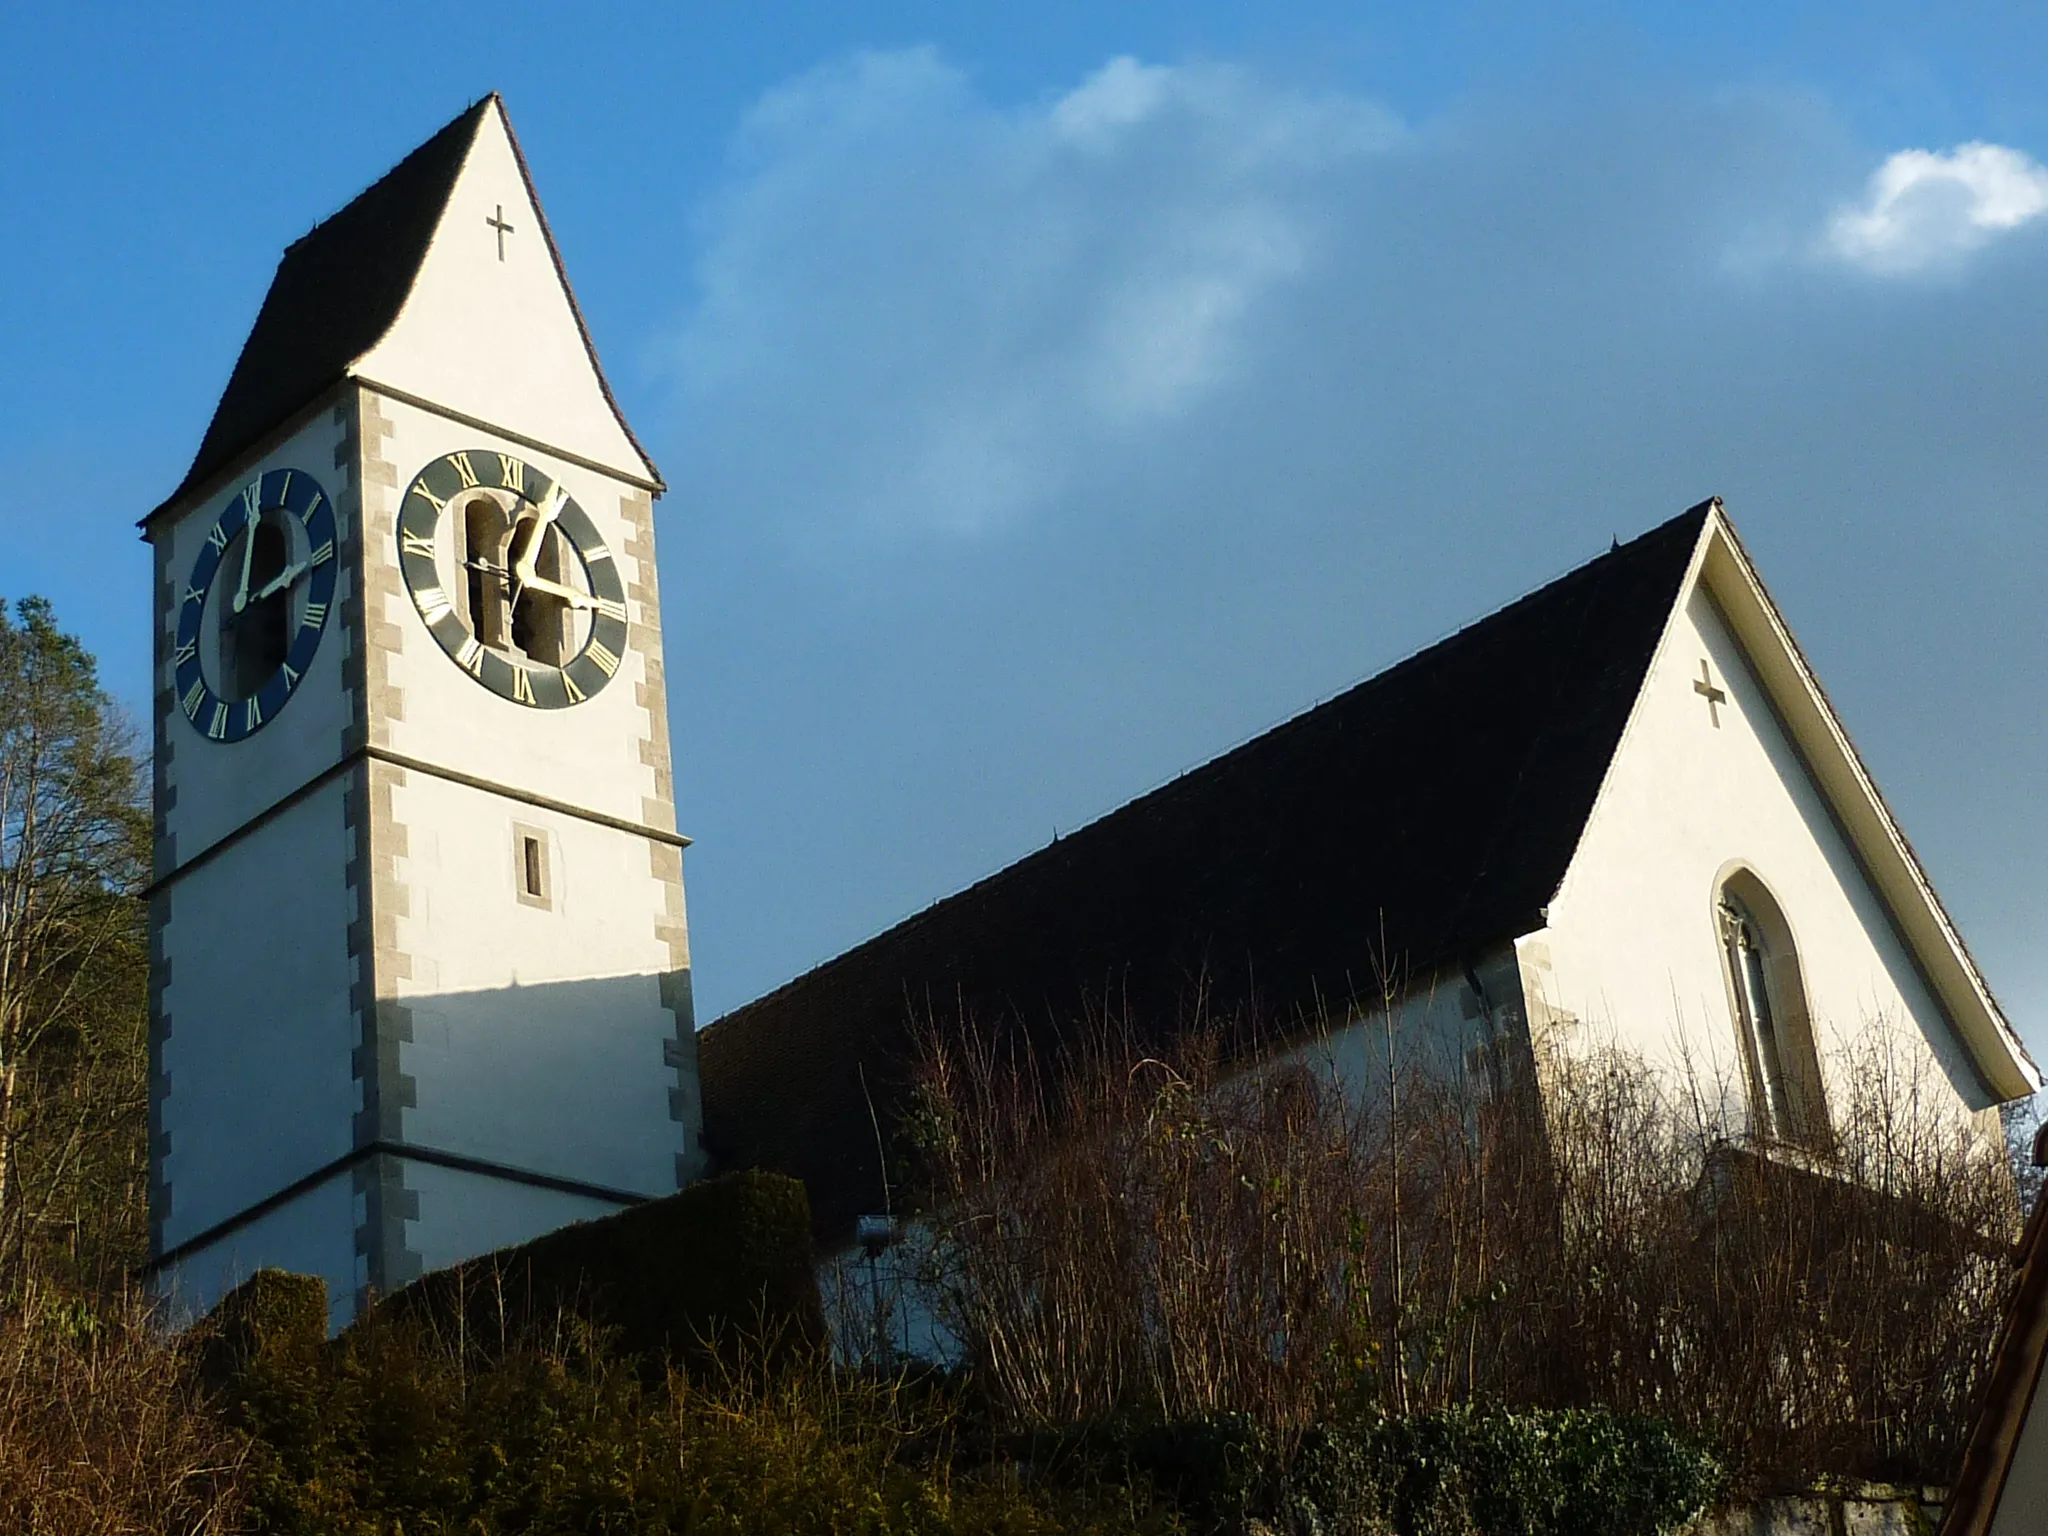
[1194, 779]
[474, 111]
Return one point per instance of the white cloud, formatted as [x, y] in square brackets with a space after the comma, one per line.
[1119, 94]
[962, 301]
[1925, 208]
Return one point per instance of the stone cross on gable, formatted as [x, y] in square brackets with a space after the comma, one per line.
[497, 222]
[1703, 685]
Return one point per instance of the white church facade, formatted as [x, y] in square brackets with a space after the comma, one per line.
[420, 964]
[1620, 812]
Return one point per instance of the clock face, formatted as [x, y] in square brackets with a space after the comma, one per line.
[255, 605]
[511, 576]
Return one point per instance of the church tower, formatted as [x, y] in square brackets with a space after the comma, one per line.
[420, 977]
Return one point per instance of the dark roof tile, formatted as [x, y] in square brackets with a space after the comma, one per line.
[337, 291]
[1431, 809]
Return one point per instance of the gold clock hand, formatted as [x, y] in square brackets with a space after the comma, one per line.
[556, 589]
[284, 578]
[532, 534]
[248, 557]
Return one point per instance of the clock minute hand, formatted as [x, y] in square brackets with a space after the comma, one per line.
[248, 558]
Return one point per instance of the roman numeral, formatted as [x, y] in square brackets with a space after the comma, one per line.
[421, 489]
[462, 468]
[511, 473]
[217, 536]
[252, 716]
[558, 497]
[522, 688]
[195, 594]
[219, 729]
[316, 615]
[190, 703]
[592, 556]
[433, 602]
[311, 507]
[601, 653]
[416, 544]
[470, 656]
[323, 554]
[612, 608]
[284, 496]
[576, 695]
[252, 501]
[184, 653]
[291, 678]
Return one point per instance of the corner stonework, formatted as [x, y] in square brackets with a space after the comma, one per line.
[657, 810]
[378, 896]
[163, 798]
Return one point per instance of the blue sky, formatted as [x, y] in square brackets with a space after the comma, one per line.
[1055, 395]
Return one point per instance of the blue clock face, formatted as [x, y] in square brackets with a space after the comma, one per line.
[252, 612]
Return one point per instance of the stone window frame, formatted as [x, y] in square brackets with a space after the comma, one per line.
[533, 855]
[1770, 1013]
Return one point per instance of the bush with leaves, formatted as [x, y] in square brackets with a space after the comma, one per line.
[395, 1425]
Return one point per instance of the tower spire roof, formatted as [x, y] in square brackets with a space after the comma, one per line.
[341, 289]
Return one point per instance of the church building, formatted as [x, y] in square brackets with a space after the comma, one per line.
[420, 973]
[420, 969]
[1618, 811]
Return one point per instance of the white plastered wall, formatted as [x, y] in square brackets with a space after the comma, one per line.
[1631, 955]
[496, 339]
[313, 1234]
[538, 1033]
[587, 755]
[1440, 1029]
[261, 1092]
[475, 1214]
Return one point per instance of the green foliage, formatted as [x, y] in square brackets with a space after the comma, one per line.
[1446, 1473]
[389, 1429]
[643, 1278]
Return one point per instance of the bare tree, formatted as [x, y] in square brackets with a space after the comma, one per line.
[1119, 1225]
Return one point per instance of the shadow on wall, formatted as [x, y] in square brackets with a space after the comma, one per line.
[477, 1119]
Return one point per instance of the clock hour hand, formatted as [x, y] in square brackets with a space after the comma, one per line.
[525, 577]
[555, 589]
[283, 579]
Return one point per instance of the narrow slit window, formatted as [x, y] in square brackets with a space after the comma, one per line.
[530, 873]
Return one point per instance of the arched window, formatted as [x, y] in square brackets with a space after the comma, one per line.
[485, 533]
[256, 640]
[1768, 998]
[543, 625]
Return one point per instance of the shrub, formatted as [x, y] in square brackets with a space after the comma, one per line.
[647, 1277]
[1435, 1474]
[102, 1428]
[397, 1426]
